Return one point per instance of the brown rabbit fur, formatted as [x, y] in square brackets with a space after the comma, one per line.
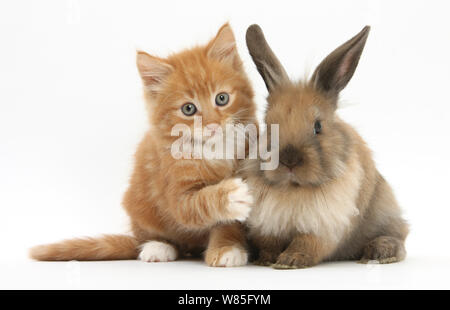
[326, 200]
[180, 207]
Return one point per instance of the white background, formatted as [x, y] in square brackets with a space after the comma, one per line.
[71, 115]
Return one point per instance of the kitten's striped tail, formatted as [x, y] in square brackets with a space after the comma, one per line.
[107, 247]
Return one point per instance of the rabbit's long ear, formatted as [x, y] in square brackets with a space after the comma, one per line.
[336, 70]
[265, 60]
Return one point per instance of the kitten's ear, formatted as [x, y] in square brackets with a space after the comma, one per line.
[223, 47]
[336, 70]
[265, 60]
[153, 70]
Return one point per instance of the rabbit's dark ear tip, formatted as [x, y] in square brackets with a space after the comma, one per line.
[253, 30]
[366, 29]
[253, 27]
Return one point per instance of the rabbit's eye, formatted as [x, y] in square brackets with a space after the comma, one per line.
[189, 109]
[317, 127]
[222, 99]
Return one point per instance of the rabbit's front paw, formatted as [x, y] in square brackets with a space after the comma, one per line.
[266, 258]
[385, 250]
[239, 200]
[295, 260]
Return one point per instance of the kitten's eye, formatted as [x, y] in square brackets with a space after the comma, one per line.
[222, 99]
[317, 127]
[189, 109]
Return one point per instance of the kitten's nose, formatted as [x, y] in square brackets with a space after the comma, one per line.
[213, 127]
[291, 157]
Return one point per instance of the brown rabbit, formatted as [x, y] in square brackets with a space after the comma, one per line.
[326, 200]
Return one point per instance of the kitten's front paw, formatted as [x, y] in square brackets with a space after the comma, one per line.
[239, 200]
[228, 256]
[156, 251]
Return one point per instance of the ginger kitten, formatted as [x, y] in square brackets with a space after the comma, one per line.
[181, 207]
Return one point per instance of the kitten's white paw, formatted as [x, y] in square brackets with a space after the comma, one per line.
[239, 201]
[156, 251]
[234, 257]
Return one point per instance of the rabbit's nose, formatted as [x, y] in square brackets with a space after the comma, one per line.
[290, 157]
